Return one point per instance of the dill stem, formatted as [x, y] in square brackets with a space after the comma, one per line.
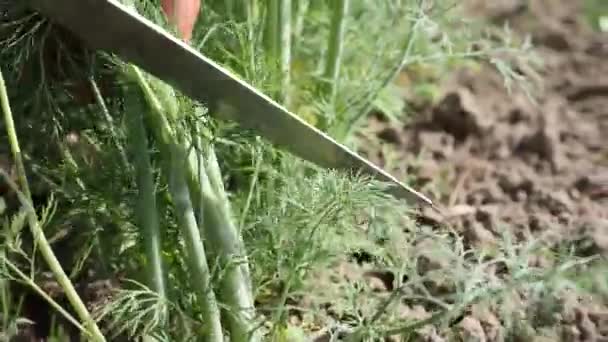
[147, 211]
[177, 170]
[229, 250]
[335, 46]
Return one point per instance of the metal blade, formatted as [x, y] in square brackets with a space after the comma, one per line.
[108, 25]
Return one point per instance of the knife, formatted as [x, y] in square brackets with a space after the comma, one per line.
[113, 27]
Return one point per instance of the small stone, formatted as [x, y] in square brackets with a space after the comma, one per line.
[460, 210]
[471, 330]
[479, 236]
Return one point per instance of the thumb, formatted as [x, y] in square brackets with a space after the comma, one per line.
[183, 15]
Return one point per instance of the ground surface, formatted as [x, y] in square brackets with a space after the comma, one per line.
[496, 160]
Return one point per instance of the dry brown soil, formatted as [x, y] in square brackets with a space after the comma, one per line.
[493, 158]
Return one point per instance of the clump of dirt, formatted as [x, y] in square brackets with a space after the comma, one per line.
[535, 163]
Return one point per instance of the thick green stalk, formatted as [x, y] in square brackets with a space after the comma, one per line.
[251, 16]
[164, 133]
[318, 5]
[285, 46]
[196, 252]
[177, 168]
[225, 243]
[229, 249]
[215, 178]
[37, 232]
[300, 14]
[229, 5]
[215, 219]
[271, 39]
[196, 163]
[336, 45]
[147, 212]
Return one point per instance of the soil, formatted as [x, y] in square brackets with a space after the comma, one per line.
[536, 165]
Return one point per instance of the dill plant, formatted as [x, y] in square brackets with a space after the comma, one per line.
[293, 217]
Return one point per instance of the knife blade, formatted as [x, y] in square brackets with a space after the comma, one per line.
[111, 26]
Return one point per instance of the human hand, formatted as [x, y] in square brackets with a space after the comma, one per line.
[182, 14]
